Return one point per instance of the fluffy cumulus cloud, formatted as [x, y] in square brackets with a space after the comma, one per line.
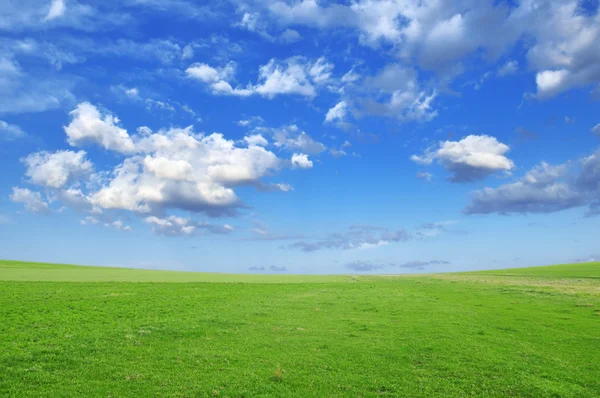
[293, 76]
[435, 33]
[562, 39]
[54, 170]
[90, 126]
[32, 201]
[218, 79]
[256, 139]
[173, 169]
[301, 161]
[179, 169]
[566, 53]
[472, 158]
[596, 130]
[544, 189]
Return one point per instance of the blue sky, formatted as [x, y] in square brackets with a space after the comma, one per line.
[304, 136]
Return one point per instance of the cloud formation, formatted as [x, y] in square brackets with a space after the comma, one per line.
[544, 189]
[54, 170]
[470, 159]
[438, 36]
[179, 226]
[31, 200]
[174, 169]
[358, 237]
[10, 132]
[88, 126]
[300, 160]
[292, 76]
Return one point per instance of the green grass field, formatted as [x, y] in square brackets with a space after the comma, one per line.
[89, 331]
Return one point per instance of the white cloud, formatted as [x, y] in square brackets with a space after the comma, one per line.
[217, 78]
[256, 139]
[186, 171]
[252, 22]
[337, 153]
[539, 191]
[174, 169]
[54, 170]
[253, 120]
[472, 158]
[340, 152]
[509, 68]
[171, 226]
[152, 104]
[284, 187]
[31, 200]
[320, 71]
[596, 129]
[132, 92]
[350, 77]
[180, 226]
[293, 76]
[545, 189]
[208, 74]
[300, 160]
[551, 82]
[57, 10]
[290, 36]
[561, 39]
[294, 139]
[358, 237]
[289, 77]
[89, 126]
[337, 113]
[183, 170]
[74, 198]
[566, 52]
[399, 95]
[10, 132]
[224, 88]
[436, 34]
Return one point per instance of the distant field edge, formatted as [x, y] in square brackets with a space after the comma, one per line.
[13, 270]
[589, 270]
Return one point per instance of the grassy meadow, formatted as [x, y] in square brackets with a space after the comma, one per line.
[108, 332]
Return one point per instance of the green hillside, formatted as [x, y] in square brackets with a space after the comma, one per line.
[488, 334]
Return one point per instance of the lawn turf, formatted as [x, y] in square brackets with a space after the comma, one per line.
[508, 333]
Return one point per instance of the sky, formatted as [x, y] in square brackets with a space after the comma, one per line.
[300, 136]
